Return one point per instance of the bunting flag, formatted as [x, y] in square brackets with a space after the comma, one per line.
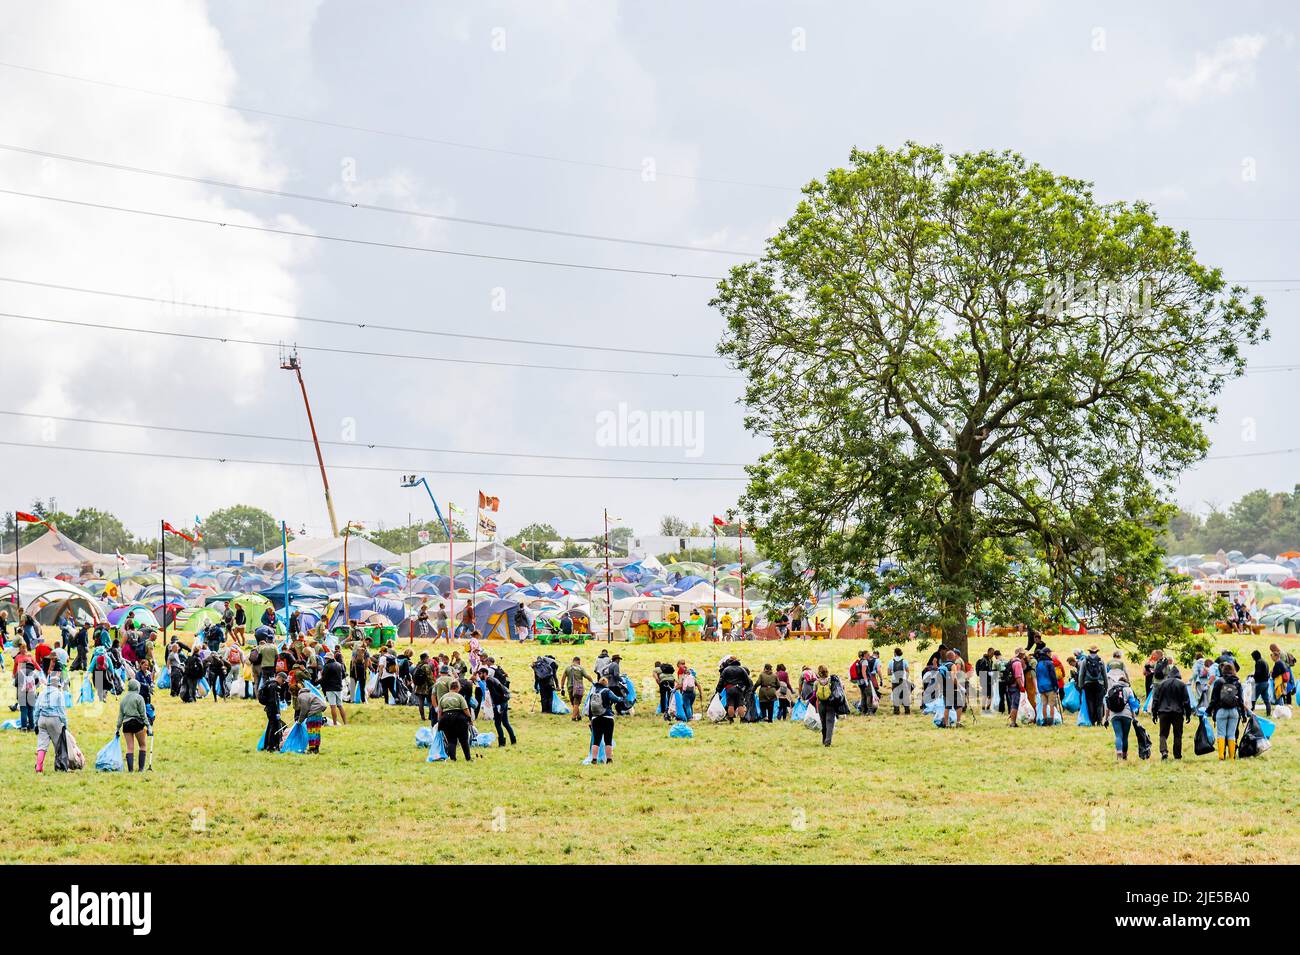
[488, 503]
[171, 530]
[24, 518]
[486, 525]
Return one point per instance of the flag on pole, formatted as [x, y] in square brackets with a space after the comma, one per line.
[171, 530]
[120, 559]
[488, 503]
[23, 517]
[455, 508]
[486, 525]
[718, 522]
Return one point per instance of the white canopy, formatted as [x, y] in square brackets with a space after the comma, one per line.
[55, 551]
[701, 595]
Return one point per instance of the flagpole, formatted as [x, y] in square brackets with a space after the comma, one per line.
[742, 575]
[609, 603]
[18, 573]
[284, 557]
[478, 519]
[451, 569]
[347, 619]
[715, 569]
[162, 546]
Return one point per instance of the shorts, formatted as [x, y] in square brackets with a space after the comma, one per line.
[132, 726]
[1013, 698]
[602, 730]
[334, 697]
[735, 697]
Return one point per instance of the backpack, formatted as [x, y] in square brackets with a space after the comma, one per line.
[855, 671]
[1116, 699]
[1229, 696]
[1094, 671]
[595, 704]
[824, 690]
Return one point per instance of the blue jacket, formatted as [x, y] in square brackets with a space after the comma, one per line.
[1046, 672]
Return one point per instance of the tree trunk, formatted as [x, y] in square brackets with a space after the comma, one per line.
[954, 630]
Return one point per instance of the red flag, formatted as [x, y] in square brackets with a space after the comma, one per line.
[22, 517]
[171, 530]
[718, 522]
[487, 503]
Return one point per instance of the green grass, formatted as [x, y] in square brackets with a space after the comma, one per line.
[891, 789]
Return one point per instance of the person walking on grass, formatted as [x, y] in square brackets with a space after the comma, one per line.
[1092, 684]
[829, 694]
[500, 694]
[51, 719]
[309, 710]
[1121, 704]
[454, 721]
[1171, 707]
[766, 689]
[331, 684]
[1013, 684]
[269, 697]
[601, 707]
[133, 720]
[686, 686]
[1227, 708]
[1263, 684]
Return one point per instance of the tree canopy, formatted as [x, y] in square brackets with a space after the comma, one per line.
[241, 525]
[970, 367]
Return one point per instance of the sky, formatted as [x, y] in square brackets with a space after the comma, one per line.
[681, 130]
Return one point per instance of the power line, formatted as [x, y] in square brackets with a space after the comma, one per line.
[358, 444]
[224, 339]
[326, 200]
[373, 243]
[412, 137]
[405, 329]
[394, 469]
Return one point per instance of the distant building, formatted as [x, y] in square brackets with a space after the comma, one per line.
[226, 555]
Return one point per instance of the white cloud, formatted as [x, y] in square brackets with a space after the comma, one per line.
[1229, 68]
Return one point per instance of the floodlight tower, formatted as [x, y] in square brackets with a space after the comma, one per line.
[289, 362]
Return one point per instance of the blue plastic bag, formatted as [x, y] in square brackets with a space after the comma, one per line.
[952, 717]
[558, 705]
[630, 690]
[679, 706]
[11, 725]
[87, 690]
[357, 696]
[1084, 719]
[799, 710]
[484, 739]
[424, 737]
[681, 731]
[313, 689]
[1070, 699]
[295, 741]
[438, 749]
[1266, 726]
[600, 754]
[109, 759]
[1038, 716]
[1146, 704]
[165, 681]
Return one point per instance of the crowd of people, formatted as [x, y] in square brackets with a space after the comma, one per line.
[318, 678]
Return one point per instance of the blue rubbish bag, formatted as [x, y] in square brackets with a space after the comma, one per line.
[799, 710]
[1070, 699]
[165, 681]
[600, 754]
[1266, 726]
[357, 696]
[679, 706]
[630, 690]
[681, 731]
[313, 689]
[68, 701]
[201, 688]
[87, 694]
[938, 717]
[424, 737]
[1146, 704]
[438, 749]
[295, 741]
[11, 725]
[1084, 719]
[558, 705]
[109, 759]
[484, 739]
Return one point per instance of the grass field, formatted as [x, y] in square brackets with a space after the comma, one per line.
[891, 789]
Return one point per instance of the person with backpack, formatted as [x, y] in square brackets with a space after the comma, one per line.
[860, 677]
[766, 689]
[1227, 708]
[331, 684]
[1092, 684]
[829, 694]
[133, 720]
[216, 673]
[500, 694]
[984, 677]
[573, 687]
[686, 686]
[193, 672]
[50, 718]
[602, 704]
[1013, 684]
[269, 697]
[1121, 704]
[1171, 707]
[544, 681]
[900, 682]
[734, 681]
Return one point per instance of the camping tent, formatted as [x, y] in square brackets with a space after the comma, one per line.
[47, 599]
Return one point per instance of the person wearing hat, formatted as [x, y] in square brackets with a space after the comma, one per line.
[1091, 680]
[454, 720]
[51, 718]
[441, 687]
[1171, 707]
[133, 719]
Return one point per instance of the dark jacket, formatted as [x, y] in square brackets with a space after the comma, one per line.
[1171, 697]
[331, 677]
[1217, 692]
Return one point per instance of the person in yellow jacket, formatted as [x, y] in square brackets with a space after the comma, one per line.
[726, 624]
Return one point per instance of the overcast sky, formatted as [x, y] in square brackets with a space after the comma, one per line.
[685, 124]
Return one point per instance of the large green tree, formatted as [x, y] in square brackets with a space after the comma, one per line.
[968, 365]
[532, 540]
[241, 525]
[402, 539]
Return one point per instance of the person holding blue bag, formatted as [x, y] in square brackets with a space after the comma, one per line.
[1121, 705]
[269, 697]
[133, 720]
[601, 705]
